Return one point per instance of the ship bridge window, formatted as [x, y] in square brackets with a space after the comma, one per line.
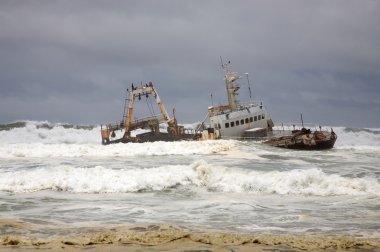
[242, 121]
[246, 120]
[237, 123]
[232, 124]
[255, 118]
[251, 119]
[259, 117]
[227, 125]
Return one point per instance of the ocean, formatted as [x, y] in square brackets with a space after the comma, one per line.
[58, 177]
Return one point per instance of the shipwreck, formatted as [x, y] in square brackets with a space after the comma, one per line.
[160, 127]
[236, 120]
[302, 138]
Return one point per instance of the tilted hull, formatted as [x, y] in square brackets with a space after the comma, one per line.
[154, 137]
[250, 122]
[236, 120]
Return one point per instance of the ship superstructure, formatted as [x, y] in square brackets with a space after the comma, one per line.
[236, 120]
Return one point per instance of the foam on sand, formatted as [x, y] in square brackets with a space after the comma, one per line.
[161, 237]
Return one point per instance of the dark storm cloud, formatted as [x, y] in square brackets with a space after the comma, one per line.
[73, 60]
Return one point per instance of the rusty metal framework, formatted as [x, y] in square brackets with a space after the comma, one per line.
[128, 124]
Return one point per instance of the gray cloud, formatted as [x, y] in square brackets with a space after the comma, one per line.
[71, 61]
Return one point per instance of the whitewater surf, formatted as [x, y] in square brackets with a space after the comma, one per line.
[59, 175]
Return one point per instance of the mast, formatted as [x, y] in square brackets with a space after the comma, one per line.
[249, 88]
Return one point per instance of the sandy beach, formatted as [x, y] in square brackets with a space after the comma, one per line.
[168, 237]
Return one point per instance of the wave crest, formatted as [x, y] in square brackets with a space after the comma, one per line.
[200, 174]
[40, 150]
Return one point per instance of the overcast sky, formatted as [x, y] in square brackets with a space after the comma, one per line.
[72, 61]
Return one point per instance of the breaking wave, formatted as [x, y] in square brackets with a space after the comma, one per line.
[48, 133]
[353, 137]
[40, 150]
[200, 174]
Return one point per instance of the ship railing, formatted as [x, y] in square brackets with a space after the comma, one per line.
[216, 112]
[112, 126]
[289, 128]
[243, 138]
[251, 104]
[298, 126]
[158, 117]
[119, 125]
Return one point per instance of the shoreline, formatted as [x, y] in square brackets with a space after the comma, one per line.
[168, 237]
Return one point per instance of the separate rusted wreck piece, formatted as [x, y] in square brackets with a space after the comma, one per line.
[151, 124]
[303, 139]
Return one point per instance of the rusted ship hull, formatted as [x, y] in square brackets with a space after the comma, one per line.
[304, 140]
[153, 137]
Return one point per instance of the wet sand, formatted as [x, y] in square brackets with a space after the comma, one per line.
[17, 235]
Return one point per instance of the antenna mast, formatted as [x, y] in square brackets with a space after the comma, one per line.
[249, 88]
[222, 64]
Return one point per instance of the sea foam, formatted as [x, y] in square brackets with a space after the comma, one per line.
[357, 138]
[40, 150]
[48, 133]
[99, 179]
